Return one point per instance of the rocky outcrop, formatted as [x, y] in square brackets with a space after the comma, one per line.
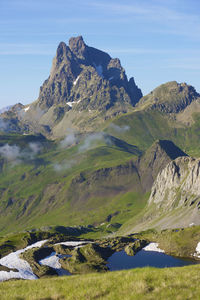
[132, 248]
[85, 87]
[178, 185]
[85, 75]
[156, 159]
[171, 97]
[174, 201]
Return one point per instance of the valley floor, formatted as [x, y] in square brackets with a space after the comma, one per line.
[145, 283]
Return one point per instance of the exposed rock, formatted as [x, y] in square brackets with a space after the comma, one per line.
[4, 268]
[132, 248]
[178, 184]
[82, 73]
[155, 159]
[117, 243]
[136, 175]
[171, 97]
[82, 80]
[89, 258]
[32, 256]
[175, 196]
[62, 249]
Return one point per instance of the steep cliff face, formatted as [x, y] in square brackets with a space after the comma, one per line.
[156, 159]
[178, 185]
[174, 201]
[88, 76]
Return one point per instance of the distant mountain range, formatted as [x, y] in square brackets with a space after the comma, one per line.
[92, 149]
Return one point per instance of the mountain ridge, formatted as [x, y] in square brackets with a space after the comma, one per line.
[83, 80]
[107, 147]
[170, 97]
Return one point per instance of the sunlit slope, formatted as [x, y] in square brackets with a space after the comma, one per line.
[68, 185]
[144, 127]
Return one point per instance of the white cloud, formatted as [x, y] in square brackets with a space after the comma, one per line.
[119, 129]
[170, 19]
[93, 139]
[31, 49]
[15, 155]
[64, 165]
[69, 140]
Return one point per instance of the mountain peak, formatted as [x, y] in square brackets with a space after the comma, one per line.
[170, 97]
[81, 73]
[77, 46]
[61, 51]
[83, 80]
[156, 158]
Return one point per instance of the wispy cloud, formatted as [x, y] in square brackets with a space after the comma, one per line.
[64, 165]
[69, 140]
[15, 155]
[191, 63]
[172, 20]
[31, 49]
[119, 129]
[122, 8]
[92, 140]
[149, 9]
[149, 50]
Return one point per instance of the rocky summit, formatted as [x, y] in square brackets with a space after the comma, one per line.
[85, 88]
[171, 97]
[87, 77]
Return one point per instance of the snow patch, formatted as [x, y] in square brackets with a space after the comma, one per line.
[26, 108]
[52, 261]
[70, 103]
[198, 248]
[153, 247]
[73, 244]
[197, 254]
[75, 82]
[13, 261]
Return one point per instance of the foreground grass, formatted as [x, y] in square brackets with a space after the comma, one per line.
[146, 283]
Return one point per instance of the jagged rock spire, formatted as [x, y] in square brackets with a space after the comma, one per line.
[84, 74]
[77, 46]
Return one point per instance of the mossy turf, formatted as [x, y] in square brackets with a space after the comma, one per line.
[146, 283]
[178, 242]
[34, 193]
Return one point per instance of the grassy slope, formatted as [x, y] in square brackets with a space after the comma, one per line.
[41, 181]
[146, 283]
[33, 205]
[147, 126]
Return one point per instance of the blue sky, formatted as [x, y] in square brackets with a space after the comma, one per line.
[156, 41]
